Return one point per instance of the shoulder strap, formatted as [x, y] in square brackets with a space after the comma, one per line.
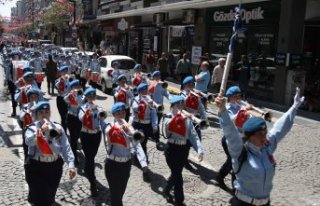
[242, 158]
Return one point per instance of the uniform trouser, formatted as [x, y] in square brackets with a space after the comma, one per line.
[127, 115]
[176, 156]
[236, 202]
[43, 180]
[90, 145]
[227, 165]
[117, 175]
[74, 127]
[39, 85]
[147, 131]
[24, 145]
[157, 134]
[12, 89]
[83, 83]
[63, 109]
[50, 83]
[198, 130]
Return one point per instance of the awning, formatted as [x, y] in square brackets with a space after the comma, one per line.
[193, 4]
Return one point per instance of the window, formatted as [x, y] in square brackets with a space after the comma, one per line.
[102, 62]
[125, 64]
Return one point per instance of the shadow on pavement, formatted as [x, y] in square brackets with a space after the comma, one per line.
[157, 182]
[98, 97]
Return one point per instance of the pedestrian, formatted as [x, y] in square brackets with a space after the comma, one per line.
[144, 118]
[253, 161]
[203, 78]
[244, 76]
[52, 70]
[149, 61]
[121, 139]
[48, 148]
[95, 68]
[237, 112]
[183, 68]
[92, 119]
[217, 75]
[178, 129]
[163, 66]
[158, 90]
[62, 85]
[172, 64]
[74, 101]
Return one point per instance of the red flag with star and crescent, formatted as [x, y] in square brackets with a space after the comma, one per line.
[19, 72]
[177, 125]
[61, 85]
[142, 110]
[192, 101]
[43, 145]
[24, 98]
[241, 118]
[21, 82]
[116, 136]
[152, 87]
[137, 80]
[122, 96]
[72, 99]
[87, 120]
[27, 120]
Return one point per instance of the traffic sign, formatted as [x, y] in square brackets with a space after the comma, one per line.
[74, 35]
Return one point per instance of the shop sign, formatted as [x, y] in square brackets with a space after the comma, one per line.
[246, 16]
[295, 60]
[177, 31]
[196, 54]
[123, 24]
[281, 59]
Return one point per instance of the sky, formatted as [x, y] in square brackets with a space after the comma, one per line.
[5, 9]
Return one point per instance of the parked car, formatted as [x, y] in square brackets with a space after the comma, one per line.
[67, 50]
[126, 66]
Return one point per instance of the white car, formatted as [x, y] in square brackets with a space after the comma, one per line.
[126, 67]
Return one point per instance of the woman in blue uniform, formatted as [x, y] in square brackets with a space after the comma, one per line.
[48, 147]
[178, 129]
[253, 160]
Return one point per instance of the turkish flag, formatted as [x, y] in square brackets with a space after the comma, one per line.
[27, 119]
[137, 80]
[72, 99]
[142, 108]
[241, 118]
[21, 82]
[192, 101]
[43, 144]
[62, 85]
[152, 87]
[19, 72]
[87, 120]
[116, 136]
[177, 125]
[122, 96]
[24, 98]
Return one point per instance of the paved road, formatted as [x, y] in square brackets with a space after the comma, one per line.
[296, 181]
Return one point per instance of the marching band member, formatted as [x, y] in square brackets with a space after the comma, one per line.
[21, 93]
[94, 67]
[115, 73]
[237, 113]
[144, 118]
[193, 105]
[21, 81]
[123, 94]
[27, 115]
[36, 64]
[178, 129]
[157, 91]
[92, 119]
[253, 160]
[84, 66]
[47, 143]
[120, 141]
[62, 85]
[74, 102]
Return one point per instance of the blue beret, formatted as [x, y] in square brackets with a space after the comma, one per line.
[122, 76]
[15, 53]
[137, 66]
[232, 91]
[156, 74]
[175, 99]
[74, 83]
[63, 69]
[32, 91]
[142, 86]
[119, 106]
[89, 91]
[27, 69]
[42, 105]
[27, 75]
[188, 79]
[254, 124]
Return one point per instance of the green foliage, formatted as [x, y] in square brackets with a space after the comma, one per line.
[56, 15]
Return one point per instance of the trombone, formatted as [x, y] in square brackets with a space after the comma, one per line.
[135, 134]
[267, 115]
[203, 124]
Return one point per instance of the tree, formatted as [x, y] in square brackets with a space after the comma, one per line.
[56, 15]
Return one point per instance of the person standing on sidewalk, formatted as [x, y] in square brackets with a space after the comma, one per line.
[203, 78]
[163, 66]
[244, 76]
[92, 119]
[149, 61]
[217, 75]
[47, 143]
[178, 129]
[253, 160]
[121, 139]
[184, 68]
[52, 71]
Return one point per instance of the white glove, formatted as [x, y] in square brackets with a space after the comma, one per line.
[297, 99]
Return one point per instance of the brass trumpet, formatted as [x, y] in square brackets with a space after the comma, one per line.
[54, 133]
[100, 111]
[135, 134]
[203, 124]
[267, 115]
[158, 107]
[208, 96]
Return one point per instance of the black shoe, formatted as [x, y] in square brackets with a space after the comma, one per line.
[180, 204]
[146, 177]
[13, 114]
[93, 190]
[166, 194]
